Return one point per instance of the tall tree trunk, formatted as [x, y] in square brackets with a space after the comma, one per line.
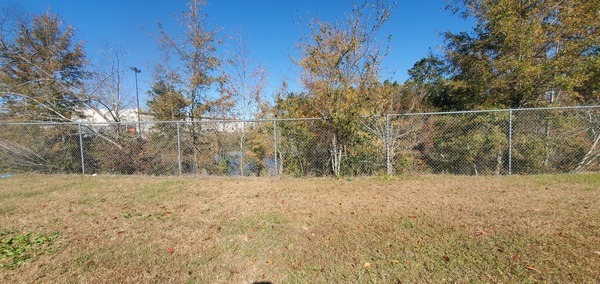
[336, 156]
[195, 133]
[280, 163]
[547, 143]
[589, 156]
[195, 150]
[498, 162]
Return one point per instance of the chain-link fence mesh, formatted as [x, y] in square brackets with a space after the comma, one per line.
[500, 142]
[46, 148]
[455, 143]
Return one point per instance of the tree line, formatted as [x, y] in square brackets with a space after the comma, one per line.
[519, 54]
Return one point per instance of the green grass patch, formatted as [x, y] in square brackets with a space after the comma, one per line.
[17, 248]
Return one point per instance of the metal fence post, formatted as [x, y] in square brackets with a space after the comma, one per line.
[275, 146]
[388, 162]
[178, 150]
[81, 150]
[510, 130]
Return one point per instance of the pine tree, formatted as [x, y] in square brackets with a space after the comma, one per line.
[42, 70]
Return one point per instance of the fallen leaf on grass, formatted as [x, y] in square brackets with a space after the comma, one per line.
[532, 269]
[170, 250]
[394, 261]
[446, 258]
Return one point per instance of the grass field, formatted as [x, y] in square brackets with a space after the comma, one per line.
[426, 229]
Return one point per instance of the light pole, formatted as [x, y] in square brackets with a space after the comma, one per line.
[137, 97]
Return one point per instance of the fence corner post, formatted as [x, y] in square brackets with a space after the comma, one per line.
[81, 149]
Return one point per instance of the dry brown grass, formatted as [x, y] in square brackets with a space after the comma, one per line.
[240, 230]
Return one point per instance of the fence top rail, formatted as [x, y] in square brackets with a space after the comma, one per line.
[496, 110]
[75, 123]
[157, 122]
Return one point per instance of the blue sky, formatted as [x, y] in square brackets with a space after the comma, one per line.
[271, 27]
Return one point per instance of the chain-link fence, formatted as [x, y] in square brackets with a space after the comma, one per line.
[498, 142]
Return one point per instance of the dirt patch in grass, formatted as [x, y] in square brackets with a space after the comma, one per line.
[283, 230]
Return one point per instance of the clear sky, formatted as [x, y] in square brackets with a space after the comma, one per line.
[272, 28]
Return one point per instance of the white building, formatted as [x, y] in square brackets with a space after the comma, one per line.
[128, 117]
